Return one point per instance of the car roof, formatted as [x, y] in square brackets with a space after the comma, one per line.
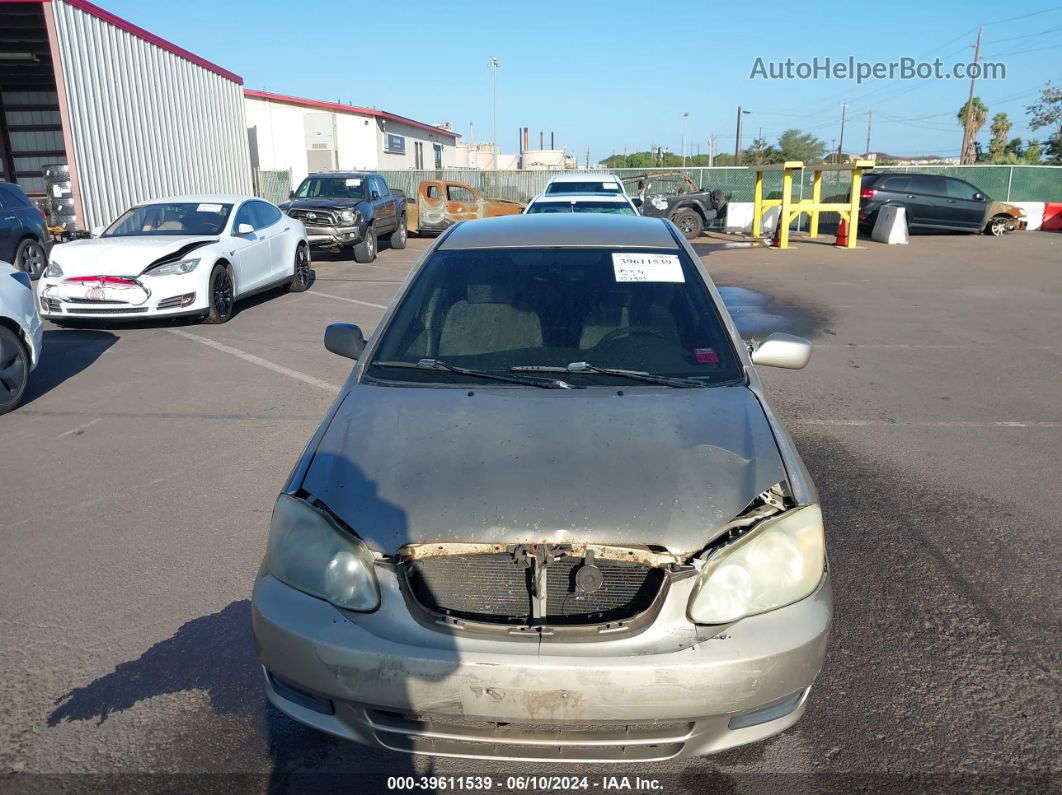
[555, 229]
[584, 178]
[204, 198]
[617, 198]
[342, 174]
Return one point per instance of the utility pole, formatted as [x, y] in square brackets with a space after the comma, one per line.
[711, 150]
[685, 116]
[737, 142]
[588, 156]
[869, 119]
[840, 143]
[966, 142]
[495, 65]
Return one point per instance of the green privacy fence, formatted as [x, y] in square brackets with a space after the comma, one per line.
[1010, 183]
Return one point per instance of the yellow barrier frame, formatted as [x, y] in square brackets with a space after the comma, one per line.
[791, 209]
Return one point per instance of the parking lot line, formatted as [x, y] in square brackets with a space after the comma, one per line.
[928, 424]
[341, 298]
[258, 360]
[88, 424]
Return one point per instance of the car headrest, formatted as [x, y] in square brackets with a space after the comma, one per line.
[491, 294]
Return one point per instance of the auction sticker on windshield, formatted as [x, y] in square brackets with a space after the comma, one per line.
[647, 268]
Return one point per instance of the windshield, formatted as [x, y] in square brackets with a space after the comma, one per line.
[616, 208]
[592, 186]
[178, 218]
[496, 309]
[332, 187]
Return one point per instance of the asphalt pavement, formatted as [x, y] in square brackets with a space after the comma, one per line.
[137, 480]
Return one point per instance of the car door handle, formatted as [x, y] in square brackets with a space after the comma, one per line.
[951, 201]
[10, 217]
[910, 196]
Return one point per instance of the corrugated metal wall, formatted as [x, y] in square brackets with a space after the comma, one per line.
[146, 122]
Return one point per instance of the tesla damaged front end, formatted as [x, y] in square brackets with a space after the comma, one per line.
[601, 570]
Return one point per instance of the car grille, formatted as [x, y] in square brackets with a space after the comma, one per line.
[459, 736]
[321, 217]
[91, 301]
[493, 588]
[84, 310]
[50, 304]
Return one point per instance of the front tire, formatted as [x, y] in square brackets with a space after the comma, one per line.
[689, 223]
[997, 227]
[221, 294]
[398, 237]
[300, 281]
[14, 369]
[365, 251]
[31, 258]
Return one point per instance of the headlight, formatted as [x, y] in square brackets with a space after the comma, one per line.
[779, 562]
[347, 216]
[309, 551]
[53, 269]
[173, 268]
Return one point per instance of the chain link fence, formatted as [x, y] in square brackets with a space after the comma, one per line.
[1009, 183]
[273, 186]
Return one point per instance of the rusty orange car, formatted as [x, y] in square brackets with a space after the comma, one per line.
[441, 203]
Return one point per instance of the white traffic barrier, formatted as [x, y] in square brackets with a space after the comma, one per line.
[1034, 213]
[891, 226]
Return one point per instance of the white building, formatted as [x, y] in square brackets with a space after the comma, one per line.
[304, 136]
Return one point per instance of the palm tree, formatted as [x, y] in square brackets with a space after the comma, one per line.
[978, 116]
[1000, 130]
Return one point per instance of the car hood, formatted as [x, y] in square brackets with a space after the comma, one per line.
[322, 204]
[654, 466]
[122, 256]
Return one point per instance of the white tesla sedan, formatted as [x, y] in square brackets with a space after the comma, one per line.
[192, 255]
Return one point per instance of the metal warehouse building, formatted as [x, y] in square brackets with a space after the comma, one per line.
[304, 135]
[132, 115]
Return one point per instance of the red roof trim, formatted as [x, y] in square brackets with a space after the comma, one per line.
[338, 108]
[151, 38]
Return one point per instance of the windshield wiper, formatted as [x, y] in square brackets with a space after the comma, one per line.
[437, 364]
[634, 375]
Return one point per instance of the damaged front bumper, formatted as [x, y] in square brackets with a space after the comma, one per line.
[672, 689]
[334, 235]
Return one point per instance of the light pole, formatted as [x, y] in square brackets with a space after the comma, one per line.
[495, 65]
[737, 143]
[685, 116]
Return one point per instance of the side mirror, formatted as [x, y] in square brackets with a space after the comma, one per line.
[979, 197]
[98, 230]
[636, 201]
[344, 339]
[291, 194]
[242, 230]
[375, 195]
[783, 350]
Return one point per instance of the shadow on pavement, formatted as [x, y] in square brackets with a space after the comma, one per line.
[65, 353]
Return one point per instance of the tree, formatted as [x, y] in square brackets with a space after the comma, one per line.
[1048, 113]
[1033, 154]
[1014, 148]
[978, 116]
[797, 145]
[760, 153]
[1000, 130]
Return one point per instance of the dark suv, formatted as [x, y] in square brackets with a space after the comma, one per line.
[24, 238]
[934, 202]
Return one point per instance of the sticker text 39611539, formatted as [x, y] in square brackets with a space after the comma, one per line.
[647, 268]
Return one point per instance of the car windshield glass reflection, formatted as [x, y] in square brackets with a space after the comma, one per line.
[497, 309]
[178, 218]
[584, 187]
[332, 187]
[615, 208]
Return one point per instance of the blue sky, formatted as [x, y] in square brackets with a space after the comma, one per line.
[616, 75]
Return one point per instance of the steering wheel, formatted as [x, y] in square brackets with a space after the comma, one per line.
[631, 331]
